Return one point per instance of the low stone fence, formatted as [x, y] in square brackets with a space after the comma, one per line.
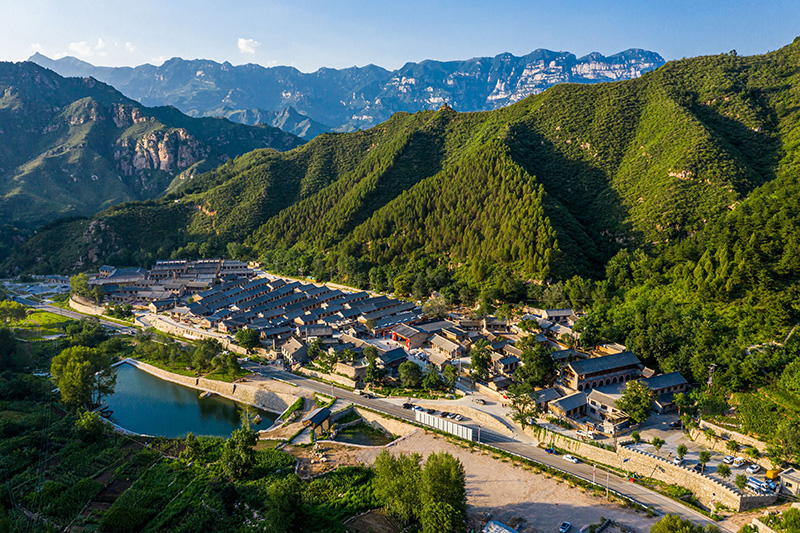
[705, 488]
[491, 393]
[341, 380]
[258, 396]
[85, 307]
[726, 433]
[389, 425]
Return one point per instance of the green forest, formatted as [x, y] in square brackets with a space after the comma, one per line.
[666, 206]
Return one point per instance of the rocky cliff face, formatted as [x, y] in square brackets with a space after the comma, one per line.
[168, 151]
[359, 96]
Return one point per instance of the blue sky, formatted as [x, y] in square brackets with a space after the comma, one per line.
[309, 34]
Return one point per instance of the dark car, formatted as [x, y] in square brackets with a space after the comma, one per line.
[368, 396]
[697, 467]
[430, 411]
[675, 425]
[408, 405]
[443, 414]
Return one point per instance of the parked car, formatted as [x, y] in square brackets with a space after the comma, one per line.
[418, 408]
[408, 405]
[451, 415]
[753, 468]
[443, 414]
[728, 459]
[571, 459]
[585, 434]
[677, 461]
[479, 400]
[368, 396]
[697, 467]
[459, 418]
[549, 450]
[430, 411]
[564, 527]
[675, 425]
[739, 461]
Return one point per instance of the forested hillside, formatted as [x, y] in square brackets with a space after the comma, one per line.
[71, 147]
[673, 197]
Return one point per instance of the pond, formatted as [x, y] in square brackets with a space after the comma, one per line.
[145, 404]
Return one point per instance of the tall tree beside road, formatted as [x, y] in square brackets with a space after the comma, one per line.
[538, 366]
[450, 376]
[248, 338]
[523, 408]
[657, 443]
[11, 311]
[682, 449]
[480, 360]
[675, 524]
[636, 401]
[704, 457]
[410, 375]
[397, 483]
[84, 375]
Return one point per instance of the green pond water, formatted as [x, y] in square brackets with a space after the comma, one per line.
[149, 405]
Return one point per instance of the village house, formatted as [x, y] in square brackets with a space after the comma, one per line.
[413, 337]
[295, 351]
[585, 374]
[444, 346]
[571, 406]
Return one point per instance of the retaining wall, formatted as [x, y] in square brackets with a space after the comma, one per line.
[738, 437]
[485, 419]
[341, 380]
[85, 307]
[719, 446]
[483, 389]
[194, 334]
[390, 425]
[705, 488]
[258, 396]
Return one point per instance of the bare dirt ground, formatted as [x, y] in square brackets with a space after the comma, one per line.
[511, 494]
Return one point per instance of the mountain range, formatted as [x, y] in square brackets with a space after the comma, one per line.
[352, 98]
[549, 187]
[74, 146]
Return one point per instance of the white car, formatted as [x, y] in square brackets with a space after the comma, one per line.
[752, 469]
[677, 461]
[739, 461]
[728, 459]
[571, 459]
[459, 418]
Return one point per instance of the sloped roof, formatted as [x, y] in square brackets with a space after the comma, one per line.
[605, 363]
[568, 403]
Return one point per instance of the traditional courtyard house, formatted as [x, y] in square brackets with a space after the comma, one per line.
[572, 406]
[413, 337]
[446, 347]
[543, 397]
[314, 331]
[390, 361]
[505, 365]
[295, 351]
[665, 387]
[585, 374]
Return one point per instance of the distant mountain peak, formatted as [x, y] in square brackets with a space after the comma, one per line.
[354, 97]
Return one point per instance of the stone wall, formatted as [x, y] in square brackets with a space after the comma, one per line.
[484, 419]
[85, 308]
[389, 425]
[491, 393]
[705, 488]
[341, 380]
[259, 396]
[194, 334]
[719, 445]
[738, 437]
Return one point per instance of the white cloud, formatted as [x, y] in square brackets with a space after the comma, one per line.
[247, 46]
[100, 44]
[129, 47]
[157, 61]
[82, 49]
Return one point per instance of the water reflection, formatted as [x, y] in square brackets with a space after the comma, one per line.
[146, 404]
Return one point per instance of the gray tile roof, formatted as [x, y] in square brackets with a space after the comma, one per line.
[568, 403]
[605, 363]
[664, 381]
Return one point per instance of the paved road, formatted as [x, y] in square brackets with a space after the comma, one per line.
[659, 503]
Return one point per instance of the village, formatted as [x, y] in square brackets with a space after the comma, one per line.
[361, 341]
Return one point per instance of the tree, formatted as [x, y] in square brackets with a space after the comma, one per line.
[204, 353]
[703, 457]
[79, 285]
[752, 452]
[657, 443]
[440, 517]
[732, 446]
[397, 482]
[285, 510]
[480, 360]
[711, 435]
[636, 401]
[682, 449]
[89, 427]
[435, 307]
[84, 375]
[11, 311]
[248, 338]
[787, 439]
[682, 402]
[431, 380]
[8, 349]
[410, 375]
[741, 481]
[637, 438]
[724, 471]
[538, 366]
[450, 376]
[373, 373]
[443, 481]
[674, 524]
[238, 454]
[523, 409]
[87, 332]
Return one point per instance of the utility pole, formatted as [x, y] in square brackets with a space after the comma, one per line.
[607, 497]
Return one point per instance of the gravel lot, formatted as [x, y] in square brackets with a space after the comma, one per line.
[514, 495]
